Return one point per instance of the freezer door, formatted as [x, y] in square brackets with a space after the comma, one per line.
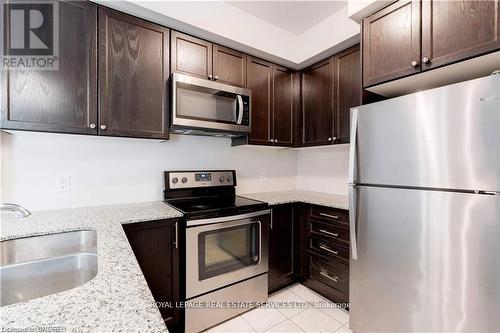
[428, 261]
[447, 137]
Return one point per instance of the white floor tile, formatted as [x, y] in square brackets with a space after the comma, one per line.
[343, 329]
[339, 315]
[235, 325]
[285, 327]
[315, 321]
[263, 318]
[287, 303]
[306, 293]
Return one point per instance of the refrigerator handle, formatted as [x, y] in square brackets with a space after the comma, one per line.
[352, 147]
[352, 221]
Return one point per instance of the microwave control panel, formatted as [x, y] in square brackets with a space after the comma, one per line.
[246, 111]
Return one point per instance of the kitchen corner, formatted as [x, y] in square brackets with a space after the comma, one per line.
[118, 298]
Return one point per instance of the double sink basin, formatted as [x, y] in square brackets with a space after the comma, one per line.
[38, 266]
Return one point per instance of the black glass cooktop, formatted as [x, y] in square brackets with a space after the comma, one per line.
[215, 206]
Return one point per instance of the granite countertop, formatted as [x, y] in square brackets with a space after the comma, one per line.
[310, 197]
[117, 299]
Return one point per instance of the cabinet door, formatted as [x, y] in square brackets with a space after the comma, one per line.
[133, 74]
[457, 30]
[317, 104]
[191, 56]
[154, 247]
[230, 66]
[391, 43]
[347, 90]
[62, 100]
[284, 106]
[281, 244]
[260, 75]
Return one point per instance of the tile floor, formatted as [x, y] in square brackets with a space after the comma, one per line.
[303, 317]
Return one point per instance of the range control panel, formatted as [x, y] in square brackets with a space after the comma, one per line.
[188, 179]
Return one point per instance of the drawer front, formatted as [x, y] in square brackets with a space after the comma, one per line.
[329, 214]
[330, 249]
[331, 273]
[330, 231]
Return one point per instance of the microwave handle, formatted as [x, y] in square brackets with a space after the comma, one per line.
[239, 107]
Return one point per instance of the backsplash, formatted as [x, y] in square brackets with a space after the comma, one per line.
[105, 170]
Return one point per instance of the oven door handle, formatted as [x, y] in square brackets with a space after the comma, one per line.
[192, 223]
[260, 243]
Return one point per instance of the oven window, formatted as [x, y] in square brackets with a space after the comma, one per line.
[228, 249]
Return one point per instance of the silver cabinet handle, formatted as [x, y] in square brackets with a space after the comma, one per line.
[414, 63]
[271, 224]
[328, 233]
[328, 215]
[328, 249]
[103, 127]
[330, 139]
[92, 126]
[210, 76]
[334, 279]
[271, 140]
[216, 78]
[426, 60]
[176, 235]
[275, 141]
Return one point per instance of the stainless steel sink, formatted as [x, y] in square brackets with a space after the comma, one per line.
[33, 267]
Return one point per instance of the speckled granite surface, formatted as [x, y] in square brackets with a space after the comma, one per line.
[117, 299]
[311, 197]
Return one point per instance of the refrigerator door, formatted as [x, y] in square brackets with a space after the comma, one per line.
[428, 261]
[447, 138]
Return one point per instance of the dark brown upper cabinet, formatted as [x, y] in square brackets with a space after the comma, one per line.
[260, 77]
[317, 104]
[229, 66]
[458, 30]
[409, 37]
[275, 99]
[191, 56]
[133, 76]
[348, 91]
[199, 58]
[391, 43]
[62, 100]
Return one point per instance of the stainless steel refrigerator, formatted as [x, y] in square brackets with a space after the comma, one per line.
[425, 211]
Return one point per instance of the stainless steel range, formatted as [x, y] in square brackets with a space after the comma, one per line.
[226, 246]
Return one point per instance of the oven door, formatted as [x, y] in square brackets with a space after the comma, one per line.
[226, 250]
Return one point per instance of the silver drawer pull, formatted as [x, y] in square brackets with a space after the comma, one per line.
[328, 215]
[328, 249]
[328, 233]
[334, 279]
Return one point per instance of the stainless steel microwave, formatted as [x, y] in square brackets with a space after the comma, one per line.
[203, 107]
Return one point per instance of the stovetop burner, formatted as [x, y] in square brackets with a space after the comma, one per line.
[206, 194]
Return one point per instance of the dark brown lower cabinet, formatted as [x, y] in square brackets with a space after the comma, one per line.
[154, 246]
[281, 247]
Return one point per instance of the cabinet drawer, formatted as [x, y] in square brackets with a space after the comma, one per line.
[330, 230]
[331, 273]
[329, 214]
[331, 249]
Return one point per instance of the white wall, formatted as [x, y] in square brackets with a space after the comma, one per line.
[119, 170]
[323, 169]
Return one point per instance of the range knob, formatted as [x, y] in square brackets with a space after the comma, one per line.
[228, 179]
[221, 179]
[184, 180]
[175, 180]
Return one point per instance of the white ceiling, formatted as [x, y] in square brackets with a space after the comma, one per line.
[293, 16]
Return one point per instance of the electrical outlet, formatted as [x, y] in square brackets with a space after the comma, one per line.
[62, 184]
[262, 176]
